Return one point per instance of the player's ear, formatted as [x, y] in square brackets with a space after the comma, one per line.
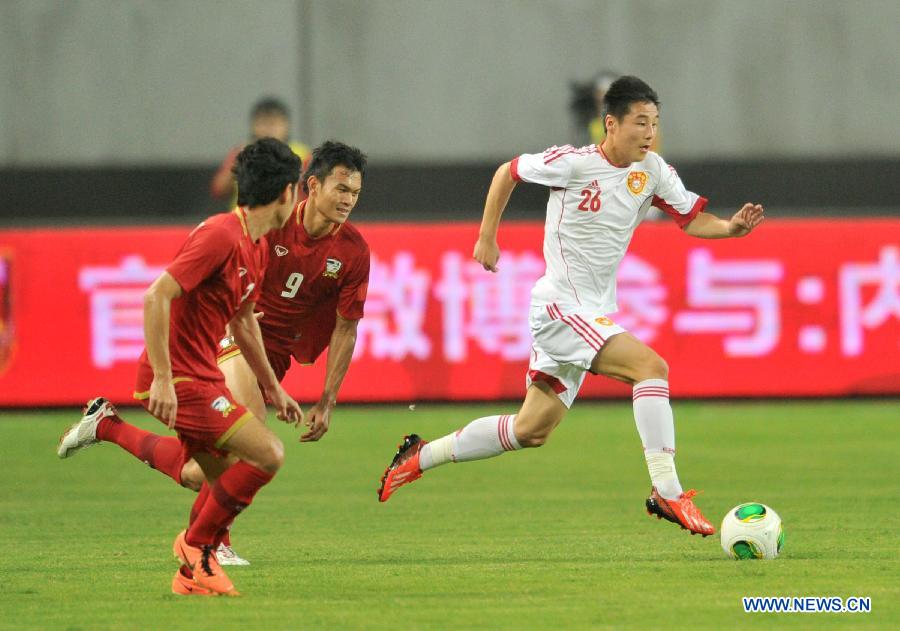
[312, 182]
[609, 123]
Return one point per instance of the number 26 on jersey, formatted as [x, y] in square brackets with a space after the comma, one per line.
[590, 200]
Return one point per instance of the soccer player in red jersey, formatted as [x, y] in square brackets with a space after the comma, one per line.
[214, 281]
[315, 286]
[312, 297]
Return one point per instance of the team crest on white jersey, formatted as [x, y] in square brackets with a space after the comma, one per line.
[332, 268]
[280, 250]
[637, 181]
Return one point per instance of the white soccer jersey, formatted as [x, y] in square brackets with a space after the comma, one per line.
[593, 210]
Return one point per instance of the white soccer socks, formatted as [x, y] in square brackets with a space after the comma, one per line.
[482, 438]
[656, 425]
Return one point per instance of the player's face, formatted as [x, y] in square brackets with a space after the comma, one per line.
[271, 126]
[338, 194]
[631, 137]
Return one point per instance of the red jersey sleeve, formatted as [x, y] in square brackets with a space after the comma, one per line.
[206, 248]
[352, 299]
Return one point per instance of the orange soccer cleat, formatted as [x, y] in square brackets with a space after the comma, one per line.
[202, 562]
[184, 585]
[681, 511]
[404, 468]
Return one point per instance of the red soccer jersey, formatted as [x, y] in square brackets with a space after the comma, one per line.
[218, 268]
[307, 282]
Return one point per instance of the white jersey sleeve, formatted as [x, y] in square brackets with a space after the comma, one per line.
[551, 168]
[671, 196]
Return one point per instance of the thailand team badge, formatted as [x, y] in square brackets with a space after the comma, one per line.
[224, 406]
[637, 181]
[332, 268]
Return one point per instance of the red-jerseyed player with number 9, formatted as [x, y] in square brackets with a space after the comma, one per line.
[598, 197]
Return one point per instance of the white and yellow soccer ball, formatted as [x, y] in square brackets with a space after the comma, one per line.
[752, 531]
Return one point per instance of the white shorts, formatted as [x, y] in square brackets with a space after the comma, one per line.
[565, 342]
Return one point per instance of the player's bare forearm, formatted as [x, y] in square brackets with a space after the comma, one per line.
[340, 352]
[487, 252]
[162, 401]
[245, 329]
[497, 198]
[708, 226]
[157, 313]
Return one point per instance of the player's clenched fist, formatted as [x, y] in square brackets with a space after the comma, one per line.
[487, 252]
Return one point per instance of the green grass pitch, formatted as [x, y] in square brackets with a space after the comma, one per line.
[549, 538]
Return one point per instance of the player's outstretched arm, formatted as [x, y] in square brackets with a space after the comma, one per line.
[487, 252]
[157, 312]
[245, 328]
[340, 351]
[707, 226]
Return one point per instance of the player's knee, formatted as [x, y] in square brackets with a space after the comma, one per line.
[192, 476]
[653, 367]
[534, 439]
[660, 368]
[273, 456]
[534, 436]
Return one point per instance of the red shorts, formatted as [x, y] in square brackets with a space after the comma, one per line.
[280, 362]
[207, 413]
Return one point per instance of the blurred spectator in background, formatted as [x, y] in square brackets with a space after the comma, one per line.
[587, 109]
[270, 117]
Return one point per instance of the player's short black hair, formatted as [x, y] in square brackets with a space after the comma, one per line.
[623, 92]
[262, 170]
[330, 154]
[268, 106]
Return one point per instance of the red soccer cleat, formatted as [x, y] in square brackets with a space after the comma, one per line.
[206, 570]
[681, 511]
[404, 468]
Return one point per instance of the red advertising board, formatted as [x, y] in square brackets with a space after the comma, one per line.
[799, 308]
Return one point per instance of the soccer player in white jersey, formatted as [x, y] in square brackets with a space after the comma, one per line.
[598, 197]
